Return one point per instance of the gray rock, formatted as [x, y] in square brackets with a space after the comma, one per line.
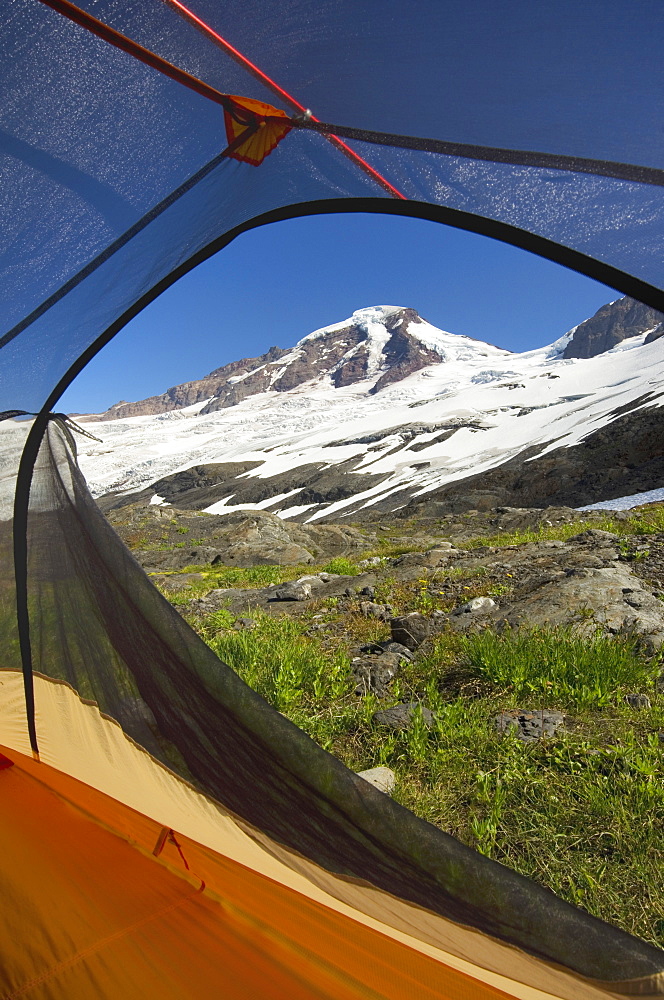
[476, 605]
[402, 716]
[639, 701]
[411, 559]
[398, 648]
[374, 673]
[529, 725]
[381, 611]
[297, 590]
[410, 630]
[611, 599]
[371, 561]
[440, 554]
[595, 536]
[241, 624]
[382, 778]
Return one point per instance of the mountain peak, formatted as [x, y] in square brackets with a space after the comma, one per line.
[364, 318]
[375, 347]
[612, 323]
[328, 428]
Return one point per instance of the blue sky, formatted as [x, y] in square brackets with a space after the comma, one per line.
[276, 284]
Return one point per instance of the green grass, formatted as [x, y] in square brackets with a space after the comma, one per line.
[341, 566]
[581, 813]
[559, 665]
[644, 521]
[289, 669]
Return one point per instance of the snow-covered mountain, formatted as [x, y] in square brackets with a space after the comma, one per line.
[384, 412]
[382, 345]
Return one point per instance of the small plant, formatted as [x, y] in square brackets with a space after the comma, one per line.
[341, 566]
[219, 621]
[424, 601]
[283, 665]
[491, 797]
[418, 736]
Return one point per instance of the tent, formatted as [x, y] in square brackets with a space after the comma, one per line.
[164, 832]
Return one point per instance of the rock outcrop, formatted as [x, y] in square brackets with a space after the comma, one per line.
[243, 538]
[225, 382]
[613, 323]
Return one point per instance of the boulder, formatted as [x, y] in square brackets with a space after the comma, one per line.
[477, 605]
[297, 590]
[528, 724]
[388, 646]
[402, 716]
[410, 630]
[638, 701]
[382, 778]
[242, 624]
[440, 554]
[381, 611]
[610, 598]
[374, 673]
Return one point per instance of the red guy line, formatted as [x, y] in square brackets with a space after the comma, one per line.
[284, 95]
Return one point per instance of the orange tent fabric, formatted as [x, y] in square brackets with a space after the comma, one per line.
[122, 905]
[108, 919]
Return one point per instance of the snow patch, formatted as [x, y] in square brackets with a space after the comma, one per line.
[626, 503]
[226, 507]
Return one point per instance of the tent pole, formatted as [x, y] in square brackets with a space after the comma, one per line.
[20, 534]
[283, 94]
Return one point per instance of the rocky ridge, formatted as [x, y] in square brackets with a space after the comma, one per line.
[378, 344]
[354, 352]
[613, 323]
